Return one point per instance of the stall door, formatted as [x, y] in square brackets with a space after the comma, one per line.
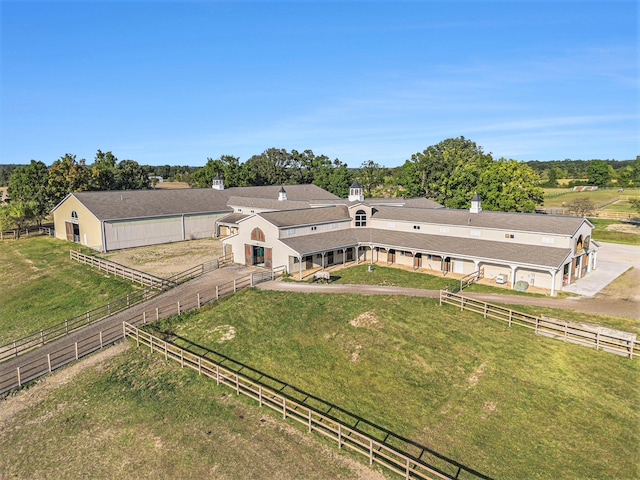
[267, 258]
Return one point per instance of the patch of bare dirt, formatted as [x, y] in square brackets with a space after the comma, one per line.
[475, 376]
[169, 258]
[22, 399]
[366, 319]
[623, 227]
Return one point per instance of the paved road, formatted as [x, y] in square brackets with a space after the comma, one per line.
[36, 362]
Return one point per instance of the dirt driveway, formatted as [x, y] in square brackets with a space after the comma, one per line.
[168, 259]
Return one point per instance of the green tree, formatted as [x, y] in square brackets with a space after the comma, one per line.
[599, 173]
[509, 186]
[227, 167]
[129, 175]
[103, 171]
[17, 215]
[582, 206]
[271, 167]
[635, 167]
[28, 184]
[370, 176]
[67, 175]
[439, 172]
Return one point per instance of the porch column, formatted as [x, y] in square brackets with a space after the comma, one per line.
[513, 276]
[300, 264]
[344, 257]
[323, 253]
[413, 259]
[476, 265]
[553, 282]
[371, 248]
[357, 255]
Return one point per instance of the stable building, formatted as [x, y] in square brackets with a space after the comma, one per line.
[545, 251]
[112, 220]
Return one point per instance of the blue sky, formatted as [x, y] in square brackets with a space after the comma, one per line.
[175, 82]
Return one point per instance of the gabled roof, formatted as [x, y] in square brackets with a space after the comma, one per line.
[548, 257]
[307, 216]
[398, 202]
[129, 204]
[522, 222]
[267, 203]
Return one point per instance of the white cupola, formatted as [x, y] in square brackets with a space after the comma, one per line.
[355, 192]
[282, 194]
[475, 204]
[217, 184]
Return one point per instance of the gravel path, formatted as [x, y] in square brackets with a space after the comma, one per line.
[622, 308]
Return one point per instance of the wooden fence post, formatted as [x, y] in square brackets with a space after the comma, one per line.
[284, 407]
[49, 361]
[370, 452]
[217, 292]
[198, 299]
[101, 339]
[178, 307]
[76, 350]
[157, 314]
[19, 379]
[199, 366]
[339, 436]
[217, 375]
[237, 384]
[42, 337]
[234, 285]
[260, 395]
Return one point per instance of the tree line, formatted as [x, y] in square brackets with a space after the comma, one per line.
[449, 172]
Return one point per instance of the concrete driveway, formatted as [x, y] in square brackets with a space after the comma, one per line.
[613, 260]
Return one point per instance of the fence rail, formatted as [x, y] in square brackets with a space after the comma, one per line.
[600, 338]
[396, 458]
[17, 233]
[73, 324]
[118, 270]
[45, 363]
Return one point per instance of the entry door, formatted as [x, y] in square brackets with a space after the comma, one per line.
[392, 256]
[68, 226]
[417, 261]
[330, 258]
[446, 266]
[248, 254]
[267, 258]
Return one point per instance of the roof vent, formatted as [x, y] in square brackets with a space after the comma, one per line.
[217, 184]
[282, 194]
[475, 204]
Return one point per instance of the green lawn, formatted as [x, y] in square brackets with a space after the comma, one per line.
[601, 233]
[137, 417]
[556, 197]
[389, 276]
[41, 286]
[501, 400]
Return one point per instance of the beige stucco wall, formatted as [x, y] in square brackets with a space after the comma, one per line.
[90, 229]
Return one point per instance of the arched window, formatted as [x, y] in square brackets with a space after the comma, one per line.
[586, 242]
[361, 218]
[74, 214]
[579, 247]
[257, 234]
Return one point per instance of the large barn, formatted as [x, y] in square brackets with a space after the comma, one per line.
[112, 220]
[544, 251]
[301, 228]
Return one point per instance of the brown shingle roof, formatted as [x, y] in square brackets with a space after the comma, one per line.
[548, 257]
[266, 203]
[127, 204]
[523, 222]
[307, 216]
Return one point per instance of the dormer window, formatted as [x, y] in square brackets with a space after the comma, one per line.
[361, 218]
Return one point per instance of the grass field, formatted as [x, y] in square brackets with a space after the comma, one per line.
[40, 286]
[601, 233]
[556, 197]
[133, 416]
[500, 400]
